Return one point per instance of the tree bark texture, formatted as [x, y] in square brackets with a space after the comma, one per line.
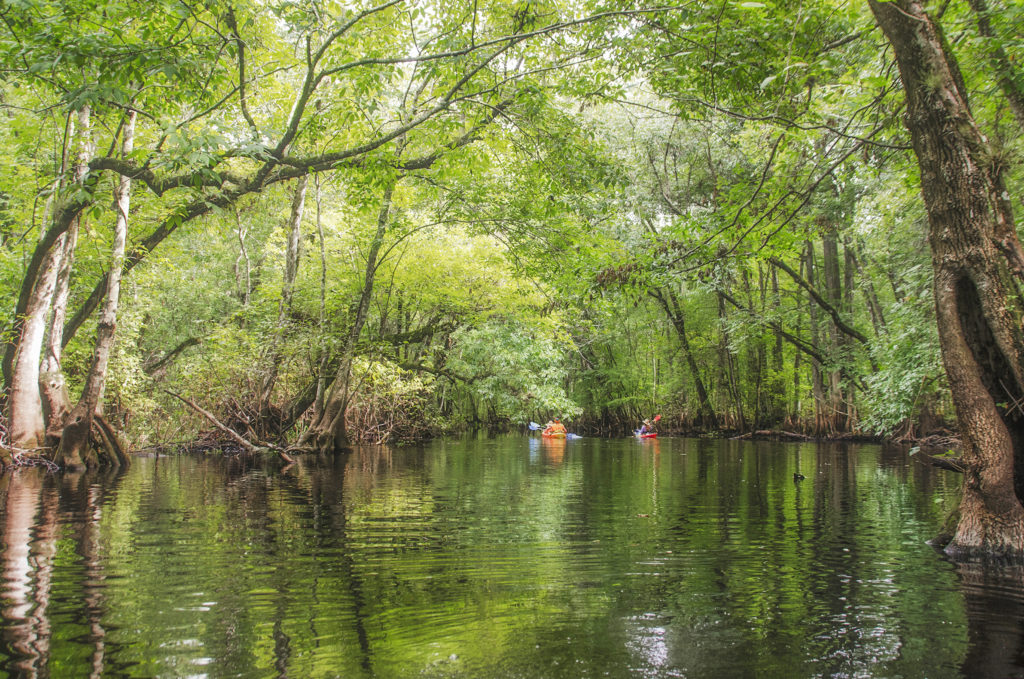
[25, 406]
[975, 251]
[52, 384]
[76, 438]
[22, 356]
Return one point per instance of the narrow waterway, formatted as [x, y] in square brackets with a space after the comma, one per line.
[502, 557]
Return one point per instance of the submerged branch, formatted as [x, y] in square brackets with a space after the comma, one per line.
[235, 436]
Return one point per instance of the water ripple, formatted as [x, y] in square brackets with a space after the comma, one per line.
[497, 559]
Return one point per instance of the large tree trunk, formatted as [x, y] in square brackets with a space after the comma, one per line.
[76, 440]
[22, 357]
[52, 384]
[975, 251]
[25, 405]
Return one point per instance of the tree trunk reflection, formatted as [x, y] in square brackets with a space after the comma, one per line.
[994, 613]
[29, 546]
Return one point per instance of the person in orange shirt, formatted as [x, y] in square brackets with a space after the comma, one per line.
[555, 427]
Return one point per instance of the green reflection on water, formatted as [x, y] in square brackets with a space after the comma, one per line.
[502, 557]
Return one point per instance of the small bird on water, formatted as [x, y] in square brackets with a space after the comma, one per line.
[797, 476]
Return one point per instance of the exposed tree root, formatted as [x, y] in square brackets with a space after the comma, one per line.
[108, 440]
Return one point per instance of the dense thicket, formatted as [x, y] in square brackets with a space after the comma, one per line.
[384, 222]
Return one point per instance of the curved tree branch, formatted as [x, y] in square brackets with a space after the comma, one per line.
[840, 324]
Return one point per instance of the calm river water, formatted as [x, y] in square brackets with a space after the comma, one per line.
[502, 557]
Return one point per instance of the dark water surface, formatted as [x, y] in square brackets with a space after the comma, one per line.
[504, 557]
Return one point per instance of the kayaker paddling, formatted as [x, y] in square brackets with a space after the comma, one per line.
[555, 428]
[648, 430]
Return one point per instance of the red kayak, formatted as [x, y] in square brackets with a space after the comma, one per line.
[651, 435]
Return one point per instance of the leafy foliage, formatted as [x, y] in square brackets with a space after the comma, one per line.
[599, 210]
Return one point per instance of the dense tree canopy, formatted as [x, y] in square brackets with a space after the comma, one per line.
[385, 222]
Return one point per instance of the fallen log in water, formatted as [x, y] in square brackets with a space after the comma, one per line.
[773, 435]
[247, 445]
[947, 461]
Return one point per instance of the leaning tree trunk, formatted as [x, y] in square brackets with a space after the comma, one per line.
[27, 429]
[52, 384]
[22, 356]
[76, 440]
[670, 303]
[327, 433]
[975, 254]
